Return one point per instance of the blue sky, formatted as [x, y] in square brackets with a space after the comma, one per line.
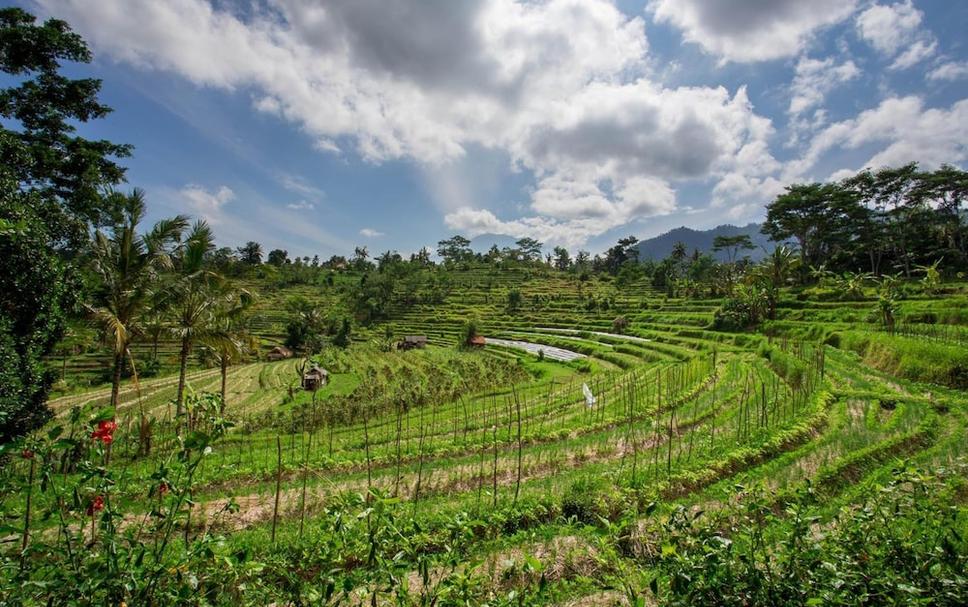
[317, 126]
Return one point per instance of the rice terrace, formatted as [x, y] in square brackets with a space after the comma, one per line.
[236, 395]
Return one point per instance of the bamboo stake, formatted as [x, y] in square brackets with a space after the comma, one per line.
[275, 507]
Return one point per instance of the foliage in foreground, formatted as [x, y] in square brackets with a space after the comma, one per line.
[904, 545]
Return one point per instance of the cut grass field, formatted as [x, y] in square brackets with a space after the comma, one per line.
[443, 476]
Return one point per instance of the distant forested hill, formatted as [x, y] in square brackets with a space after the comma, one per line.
[661, 246]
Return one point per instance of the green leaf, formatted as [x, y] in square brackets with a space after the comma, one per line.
[103, 415]
[196, 440]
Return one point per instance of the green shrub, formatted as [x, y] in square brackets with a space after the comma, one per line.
[590, 499]
[911, 358]
[905, 545]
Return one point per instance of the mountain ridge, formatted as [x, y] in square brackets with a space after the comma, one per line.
[660, 247]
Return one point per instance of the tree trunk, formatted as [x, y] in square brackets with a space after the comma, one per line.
[225, 367]
[185, 348]
[116, 379]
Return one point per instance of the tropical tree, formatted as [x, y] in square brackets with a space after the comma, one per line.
[360, 259]
[774, 273]
[932, 276]
[227, 339]
[618, 255]
[127, 267]
[801, 213]
[192, 298]
[562, 261]
[251, 253]
[514, 300]
[733, 245]
[468, 332]
[342, 337]
[454, 249]
[306, 326]
[529, 249]
[51, 185]
[278, 257]
[850, 285]
[887, 296]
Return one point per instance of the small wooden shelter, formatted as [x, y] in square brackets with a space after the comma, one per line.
[279, 353]
[477, 341]
[315, 378]
[412, 341]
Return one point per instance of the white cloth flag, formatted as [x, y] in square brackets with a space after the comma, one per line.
[589, 397]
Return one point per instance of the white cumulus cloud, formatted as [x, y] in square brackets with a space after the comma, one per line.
[895, 31]
[814, 78]
[206, 204]
[750, 30]
[950, 70]
[902, 130]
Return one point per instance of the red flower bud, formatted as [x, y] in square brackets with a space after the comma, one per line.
[27, 454]
[163, 489]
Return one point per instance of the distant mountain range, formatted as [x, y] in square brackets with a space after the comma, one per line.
[661, 246]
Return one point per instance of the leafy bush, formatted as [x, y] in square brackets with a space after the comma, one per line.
[911, 358]
[735, 314]
[905, 545]
[590, 499]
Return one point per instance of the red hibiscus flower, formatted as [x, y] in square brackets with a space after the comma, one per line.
[105, 431]
[96, 505]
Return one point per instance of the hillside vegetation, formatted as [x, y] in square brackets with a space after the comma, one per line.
[484, 476]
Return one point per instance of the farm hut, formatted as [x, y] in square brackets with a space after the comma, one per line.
[315, 378]
[279, 353]
[477, 341]
[412, 341]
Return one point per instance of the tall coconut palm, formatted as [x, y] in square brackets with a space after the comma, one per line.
[192, 297]
[227, 339]
[127, 266]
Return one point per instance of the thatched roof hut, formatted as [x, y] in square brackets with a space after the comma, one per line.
[315, 378]
[279, 353]
[412, 341]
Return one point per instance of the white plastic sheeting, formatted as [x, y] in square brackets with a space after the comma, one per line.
[550, 352]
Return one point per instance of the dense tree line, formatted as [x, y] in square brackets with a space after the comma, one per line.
[884, 221]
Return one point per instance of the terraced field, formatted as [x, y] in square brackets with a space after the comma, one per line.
[503, 476]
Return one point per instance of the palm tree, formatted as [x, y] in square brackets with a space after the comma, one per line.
[227, 339]
[774, 273]
[192, 298]
[127, 266]
[155, 326]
